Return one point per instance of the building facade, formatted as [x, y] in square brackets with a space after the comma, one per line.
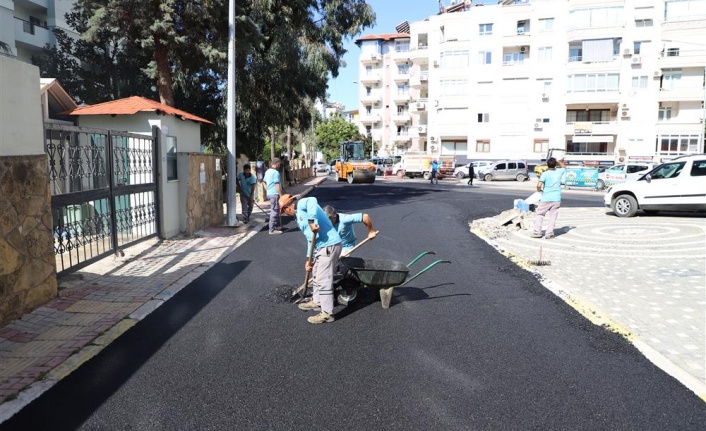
[26, 25]
[606, 80]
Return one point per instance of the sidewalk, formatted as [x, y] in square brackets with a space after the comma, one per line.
[100, 302]
[643, 277]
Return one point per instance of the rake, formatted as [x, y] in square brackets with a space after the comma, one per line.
[540, 262]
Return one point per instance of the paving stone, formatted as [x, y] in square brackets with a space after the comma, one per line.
[83, 306]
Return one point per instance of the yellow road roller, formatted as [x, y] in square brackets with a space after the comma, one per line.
[353, 166]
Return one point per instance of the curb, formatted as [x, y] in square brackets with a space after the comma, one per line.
[73, 362]
[599, 318]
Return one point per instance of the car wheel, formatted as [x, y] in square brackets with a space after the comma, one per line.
[520, 177]
[427, 176]
[625, 206]
[378, 172]
[459, 175]
[488, 177]
[600, 185]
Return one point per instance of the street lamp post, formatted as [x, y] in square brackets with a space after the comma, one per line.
[232, 219]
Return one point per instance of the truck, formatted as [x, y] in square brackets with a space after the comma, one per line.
[557, 153]
[418, 164]
[353, 166]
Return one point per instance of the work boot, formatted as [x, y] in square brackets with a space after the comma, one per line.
[536, 235]
[322, 317]
[309, 306]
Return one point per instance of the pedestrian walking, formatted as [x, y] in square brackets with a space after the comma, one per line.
[287, 170]
[247, 191]
[550, 186]
[434, 171]
[310, 218]
[273, 184]
[344, 225]
[471, 173]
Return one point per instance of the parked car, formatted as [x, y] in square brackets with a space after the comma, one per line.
[676, 185]
[322, 167]
[505, 170]
[622, 172]
[383, 165]
[462, 171]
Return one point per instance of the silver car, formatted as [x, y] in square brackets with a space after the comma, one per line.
[505, 170]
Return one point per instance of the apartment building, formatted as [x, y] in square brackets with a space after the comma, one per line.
[605, 80]
[25, 25]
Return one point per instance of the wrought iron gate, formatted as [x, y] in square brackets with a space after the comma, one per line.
[104, 191]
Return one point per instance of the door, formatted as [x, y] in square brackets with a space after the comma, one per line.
[634, 172]
[499, 171]
[663, 188]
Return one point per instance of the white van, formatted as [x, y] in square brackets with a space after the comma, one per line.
[623, 172]
[676, 185]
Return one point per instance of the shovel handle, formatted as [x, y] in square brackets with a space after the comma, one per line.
[311, 258]
[349, 252]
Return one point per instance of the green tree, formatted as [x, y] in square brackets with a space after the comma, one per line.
[333, 131]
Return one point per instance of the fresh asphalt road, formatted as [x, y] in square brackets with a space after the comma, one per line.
[479, 344]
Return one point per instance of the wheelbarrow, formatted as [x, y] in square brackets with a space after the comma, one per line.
[384, 275]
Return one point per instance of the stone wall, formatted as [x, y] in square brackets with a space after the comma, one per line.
[204, 202]
[27, 262]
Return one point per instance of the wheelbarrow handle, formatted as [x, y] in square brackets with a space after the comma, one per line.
[430, 266]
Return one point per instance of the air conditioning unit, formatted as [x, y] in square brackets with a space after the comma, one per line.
[423, 78]
[658, 74]
[627, 52]
[545, 96]
[432, 139]
[538, 126]
[374, 57]
[422, 129]
[523, 48]
[625, 113]
[420, 105]
[625, 106]
[436, 63]
[636, 60]
[433, 147]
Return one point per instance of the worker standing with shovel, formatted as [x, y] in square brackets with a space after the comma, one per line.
[324, 251]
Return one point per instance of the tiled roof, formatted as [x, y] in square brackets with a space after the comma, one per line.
[133, 105]
[384, 36]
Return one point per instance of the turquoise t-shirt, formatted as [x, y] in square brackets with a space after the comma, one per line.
[246, 183]
[345, 229]
[309, 209]
[552, 185]
[272, 177]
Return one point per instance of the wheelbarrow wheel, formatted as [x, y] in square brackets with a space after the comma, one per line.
[346, 297]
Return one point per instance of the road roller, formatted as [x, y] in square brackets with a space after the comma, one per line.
[353, 166]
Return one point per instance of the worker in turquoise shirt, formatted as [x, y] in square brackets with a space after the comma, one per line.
[310, 218]
[344, 226]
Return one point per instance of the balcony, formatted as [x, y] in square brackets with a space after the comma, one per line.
[369, 119]
[401, 118]
[401, 138]
[401, 77]
[401, 56]
[419, 80]
[590, 128]
[592, 97]
[31, 34]
[369, 99]
[370, 59]
[372, 78]
[673, 126]
[686, 94]
[419, 55]
[685, 58]
[404, 97]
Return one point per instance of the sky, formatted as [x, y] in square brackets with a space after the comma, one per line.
[389, 13]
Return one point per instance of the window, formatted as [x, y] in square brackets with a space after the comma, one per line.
[500, 167]
[597, 17]
[403, 69]
[522, 27]
[588, 115]
[483, 118]
[698, 168]
[454, 59]
[597, 82]
[482, 146]
[368, 130]
[368, 110]
[402, 45]
[485, 29]
[639, 81]
[575, 52]
[172, 173]
[665, 114]
[484, 57]
[541, 146]
[513, 58]
[402, 130]
[633, 169]
[672, 145]
[403, 110]
[668, 170]
[672, 52]
[453, 87]
[671, 79]
[546, 24]
[544, 54]
[368, 70]
[402, 90]
[368, 91]
[643, 23]
[541, 120]
[636, 47]
[678, 10]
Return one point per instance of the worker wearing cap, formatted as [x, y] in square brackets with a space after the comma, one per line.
[344, 226]
[310, 218]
